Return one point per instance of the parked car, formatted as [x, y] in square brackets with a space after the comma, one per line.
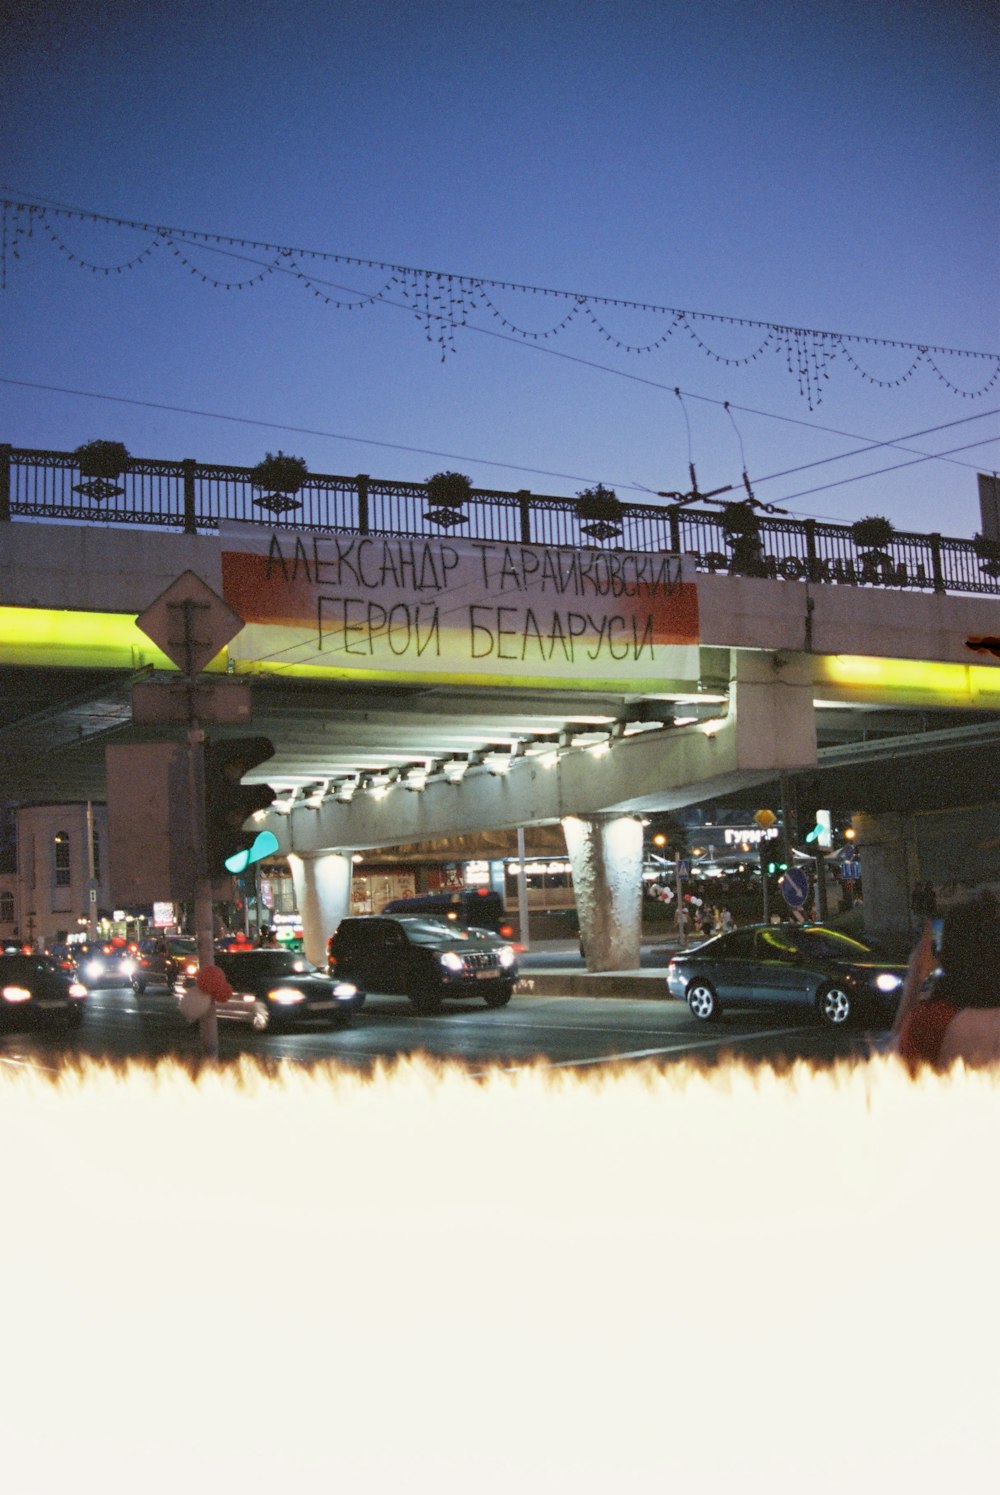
[425, 959]
[279, 987]
[808, 966]
[38, 985]
[106, 965]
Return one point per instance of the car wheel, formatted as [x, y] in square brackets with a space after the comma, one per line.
[138, 986]
[835, 1005]
[702, 1001]
[499, 997]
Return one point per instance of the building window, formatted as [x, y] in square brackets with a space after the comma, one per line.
[6, 908]
[60, 860]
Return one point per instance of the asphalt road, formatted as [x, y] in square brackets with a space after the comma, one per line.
[562, 1032]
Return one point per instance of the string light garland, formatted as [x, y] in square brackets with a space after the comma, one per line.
[442, 302]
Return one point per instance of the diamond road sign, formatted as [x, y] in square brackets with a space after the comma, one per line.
[190, 623]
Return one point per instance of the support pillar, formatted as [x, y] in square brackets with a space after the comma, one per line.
[322, 887]
[887, 848]
[605, 853]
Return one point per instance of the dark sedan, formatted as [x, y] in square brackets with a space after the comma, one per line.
[808, 966]
[104, 966]
[37, 985]
[426, 959]
[280, 987]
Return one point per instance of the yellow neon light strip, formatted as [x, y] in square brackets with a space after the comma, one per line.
[79, 640]
[954, 684]
[87, 640]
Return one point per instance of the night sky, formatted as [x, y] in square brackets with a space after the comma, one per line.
[827, 166]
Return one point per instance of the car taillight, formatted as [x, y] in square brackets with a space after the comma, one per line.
[506, 930]
[15, 994]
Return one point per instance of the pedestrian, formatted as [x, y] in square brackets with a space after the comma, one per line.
[726, 920]
[959, 1016]
[266, 938]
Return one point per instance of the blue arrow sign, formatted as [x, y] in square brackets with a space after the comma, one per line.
[850, 871]
[683, 869]
[794, 887]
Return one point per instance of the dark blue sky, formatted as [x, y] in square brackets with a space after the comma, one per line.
[827, 165]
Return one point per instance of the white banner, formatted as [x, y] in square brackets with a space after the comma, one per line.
[459, 608]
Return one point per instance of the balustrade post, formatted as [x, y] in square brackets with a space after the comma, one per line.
[188, 465]
[362, 482]
[936, 571]
[812, 561]
[674, 520]
[5, 451]
[524, 503]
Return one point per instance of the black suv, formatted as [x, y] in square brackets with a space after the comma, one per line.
[425, 958]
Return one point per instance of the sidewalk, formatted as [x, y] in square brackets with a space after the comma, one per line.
[554, 976]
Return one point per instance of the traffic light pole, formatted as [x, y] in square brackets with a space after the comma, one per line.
[208, 1026]
[763, 878]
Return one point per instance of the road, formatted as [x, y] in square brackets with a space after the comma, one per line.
[562, 1032]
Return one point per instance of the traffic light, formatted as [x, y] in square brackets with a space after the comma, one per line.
[228, 802]
[774, 867]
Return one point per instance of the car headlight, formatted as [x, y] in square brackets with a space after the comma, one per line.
[885, 981]
[15, 994]
[77, 989]
[452, 962]
[506, 957]
[345, 989]
[285, 995]
[128, 966]
[94, 967]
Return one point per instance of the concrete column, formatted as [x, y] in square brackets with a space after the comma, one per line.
[323, 894]
[605, 853]
[887, 846]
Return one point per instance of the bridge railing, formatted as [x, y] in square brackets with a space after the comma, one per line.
[194, 497]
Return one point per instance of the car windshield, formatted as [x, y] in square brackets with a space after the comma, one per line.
[268, 963]
[430, 931]
[23, 965]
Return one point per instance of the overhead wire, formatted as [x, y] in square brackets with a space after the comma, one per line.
[727, 405]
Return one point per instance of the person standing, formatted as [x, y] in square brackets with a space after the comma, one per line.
[958, 1015]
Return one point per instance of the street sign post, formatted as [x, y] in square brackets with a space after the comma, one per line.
[191, 624]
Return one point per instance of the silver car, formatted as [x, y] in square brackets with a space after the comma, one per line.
[809, 966]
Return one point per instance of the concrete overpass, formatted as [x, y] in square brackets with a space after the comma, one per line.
[418, 689]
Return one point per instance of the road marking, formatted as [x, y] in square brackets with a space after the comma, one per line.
[676, 1048]
[27, 1064]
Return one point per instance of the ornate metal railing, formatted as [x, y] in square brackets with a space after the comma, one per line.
[194, 497]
